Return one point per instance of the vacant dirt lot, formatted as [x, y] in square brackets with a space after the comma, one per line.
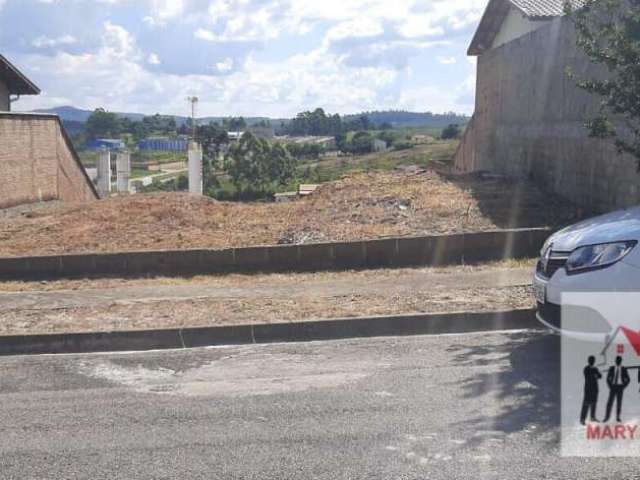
[361, 206]
[238, 299]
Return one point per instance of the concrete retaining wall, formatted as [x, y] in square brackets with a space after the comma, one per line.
[529, 122]
[403, 325]
[392, 252]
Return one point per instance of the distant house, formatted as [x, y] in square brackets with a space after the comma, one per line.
[106, 143]
[13, 83]
[164, 144]
[379, 145]
[263, 132]
[235, 136]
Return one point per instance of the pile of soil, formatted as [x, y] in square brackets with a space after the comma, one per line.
[362, 206]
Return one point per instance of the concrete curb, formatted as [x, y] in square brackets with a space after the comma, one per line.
[397, 252]
[382, 326]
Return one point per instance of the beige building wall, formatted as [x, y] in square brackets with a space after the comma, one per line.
[529, 122]
[5, 104]
[38, 163]
[515, 26]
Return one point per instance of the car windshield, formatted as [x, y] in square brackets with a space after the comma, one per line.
[306, 239]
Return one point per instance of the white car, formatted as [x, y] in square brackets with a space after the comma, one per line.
[597, 255]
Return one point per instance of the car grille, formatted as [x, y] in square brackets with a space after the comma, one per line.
[557, 261]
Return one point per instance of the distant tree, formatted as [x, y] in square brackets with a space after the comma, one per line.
[386, 126]
[280, 165]
[306, 150]
[362, 143]
[316, 123]
[103, 124]
[608, 32]
[361, 123]
[160, 125]
[388, 136]
[256, 164]
[451, 131]
[213, 138]
[341, 143]
[234, 124]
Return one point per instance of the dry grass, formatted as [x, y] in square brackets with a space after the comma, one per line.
[239, 311]
[244, 280]
[362, 206]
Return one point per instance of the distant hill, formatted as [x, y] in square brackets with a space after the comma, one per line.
[397, 118]
[401, 118]
[72, 114]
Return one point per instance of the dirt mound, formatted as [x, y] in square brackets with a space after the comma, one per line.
[361, 206]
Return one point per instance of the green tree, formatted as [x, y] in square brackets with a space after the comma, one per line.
[608, 32]
[212, 137]
[234, 124]
[388, 136]
[256, 164]
[451, 131]
[103, 124]
[362, 143]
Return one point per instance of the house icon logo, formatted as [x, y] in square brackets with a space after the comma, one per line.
[621, 334]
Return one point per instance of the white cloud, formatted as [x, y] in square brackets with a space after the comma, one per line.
[447, 60]
[247, 58]
[44, 41]
[153, 59]
[117, 42]
[225, 66]
[162, 11]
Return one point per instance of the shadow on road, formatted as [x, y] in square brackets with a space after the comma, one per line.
[529, 391]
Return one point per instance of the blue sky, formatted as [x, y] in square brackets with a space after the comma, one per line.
[244, 57]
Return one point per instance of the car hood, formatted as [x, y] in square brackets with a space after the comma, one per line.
[612, 227]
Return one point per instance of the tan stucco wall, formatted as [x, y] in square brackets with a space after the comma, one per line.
[516, 25]
[529, 122]
[5, 104]
[37, 163]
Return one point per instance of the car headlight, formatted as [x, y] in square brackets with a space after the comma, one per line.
[598, 256]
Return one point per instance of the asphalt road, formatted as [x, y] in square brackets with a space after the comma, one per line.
[481, 406]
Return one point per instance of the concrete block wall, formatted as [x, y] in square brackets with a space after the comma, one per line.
[529, 122]
[384, 253]
[38, 163]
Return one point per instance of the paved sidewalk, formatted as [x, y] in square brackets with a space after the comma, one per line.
[411, 282]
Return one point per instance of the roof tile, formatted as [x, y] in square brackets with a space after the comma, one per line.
[544, 8]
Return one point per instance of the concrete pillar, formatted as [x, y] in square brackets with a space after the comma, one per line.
[196, 186]
[104, 173]
[123, 172]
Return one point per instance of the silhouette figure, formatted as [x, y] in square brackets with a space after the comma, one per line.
[591, 391]
[618, 380]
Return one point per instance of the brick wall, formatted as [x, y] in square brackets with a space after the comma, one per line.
[529, 122]
[38, 163]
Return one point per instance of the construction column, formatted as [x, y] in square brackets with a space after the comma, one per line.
[104, 173]
[195, 169]
[123, 171]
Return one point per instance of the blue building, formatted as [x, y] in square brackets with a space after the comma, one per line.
[159, 144]
[106, 143]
